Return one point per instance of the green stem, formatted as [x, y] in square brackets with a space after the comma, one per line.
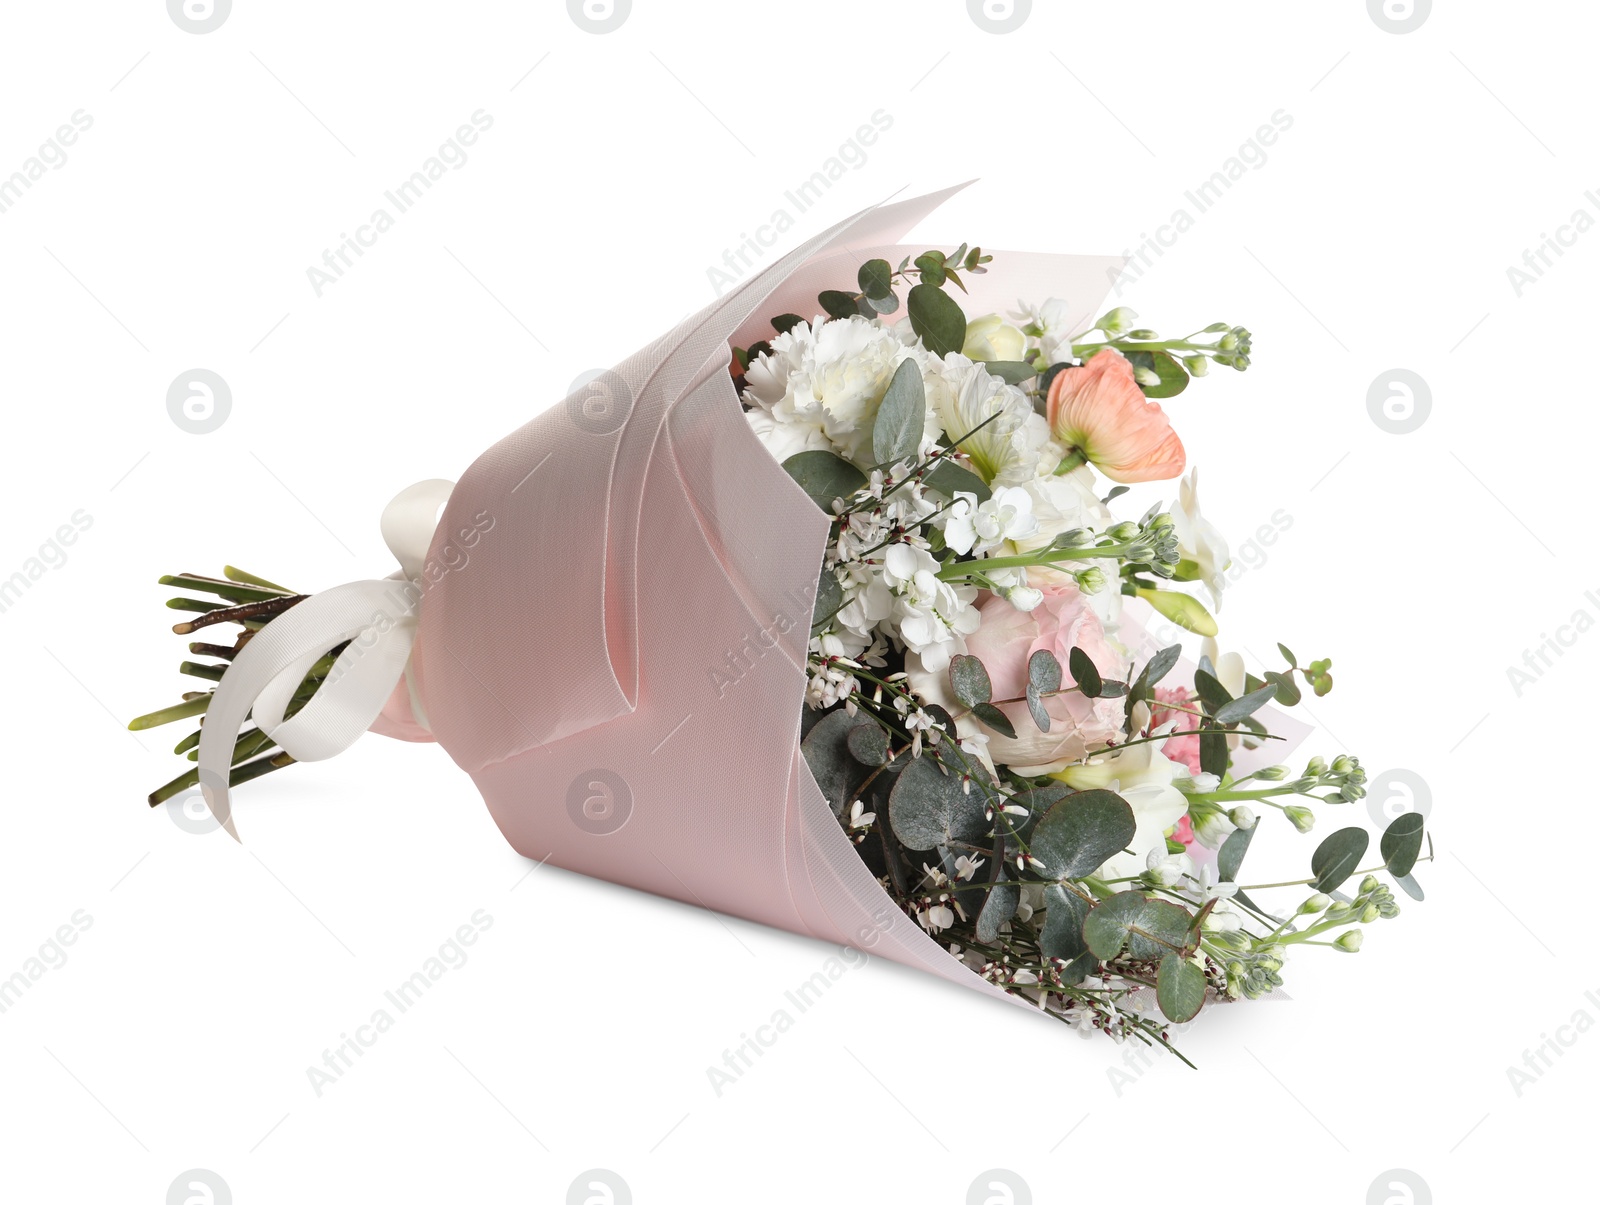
[178, 711]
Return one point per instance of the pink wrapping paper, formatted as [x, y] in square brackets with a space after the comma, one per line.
[620, 661]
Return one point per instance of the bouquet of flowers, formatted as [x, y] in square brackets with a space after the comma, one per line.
[923, 644]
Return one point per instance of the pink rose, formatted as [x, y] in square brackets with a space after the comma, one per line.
[1005, 639]
[1100, 410]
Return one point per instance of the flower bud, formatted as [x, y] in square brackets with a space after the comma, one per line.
[1369, 885]
[1198, 366]
[1143, 335]
[1273, 773]
[1314, 903]
[1370, 913]
[1302, 818]
[1242, 817]
[1114, 322]
[1316, 767]
[991, 337]
[1349, 941]
[1091, 580]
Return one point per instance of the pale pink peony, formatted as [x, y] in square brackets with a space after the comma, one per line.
[1100, 410]
[1005, 639]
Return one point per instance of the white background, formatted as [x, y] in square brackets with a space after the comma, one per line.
[619, 167]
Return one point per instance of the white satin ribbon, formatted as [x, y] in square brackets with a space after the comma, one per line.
[378, 618]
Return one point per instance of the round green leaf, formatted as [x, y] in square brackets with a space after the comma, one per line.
[837, 304]
[936, 318]
[1080, 832]
[1062, 936]
[951, 479]
[824, 476]
[1000, 907]
[875, 278]
[1180, 988]
[1105, 929]
[970, 680]
[868, 744]
[1159, 928]
[1337, 857]
[1401, 843]
[928, 807]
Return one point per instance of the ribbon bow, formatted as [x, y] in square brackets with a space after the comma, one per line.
[378, 619]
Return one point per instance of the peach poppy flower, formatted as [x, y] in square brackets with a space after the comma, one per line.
[1100, 410]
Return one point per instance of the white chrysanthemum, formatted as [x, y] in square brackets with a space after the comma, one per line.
[830, 376]
[786, 439]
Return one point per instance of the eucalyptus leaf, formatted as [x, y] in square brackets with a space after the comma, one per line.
[1336, 859]
[838, 772]
[937, 319]
[969, 680]
[951, 479]
[1401, 843]
[1180, 988]
[1231, 856]
[1062, 936]
[1235, 710]
[1080, 832]
[1160, 927]
[928, 807]
[991, 715]
[830, 597]
[1012, 372]
[1410, 886]
[784, 323]
[1000, 907]
[1044, 677]
[875, 278]
[1288, 689]
[1106, 928]
[1044, 671]
[1174, 378]
[824, 476]
[868, 744]
[1213, 750]
[1084, 673]
[1212, 693]
[837, 304]
[1160, 665]
[1287, 655]
[897, 431]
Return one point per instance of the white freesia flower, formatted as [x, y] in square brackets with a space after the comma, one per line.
[973, 526]
[1055, 321]
[1230, 673]
[1209, 886]
[932, 617]
[991, 337]
[1198, 541]
[1143, 776]
[1066, 503]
